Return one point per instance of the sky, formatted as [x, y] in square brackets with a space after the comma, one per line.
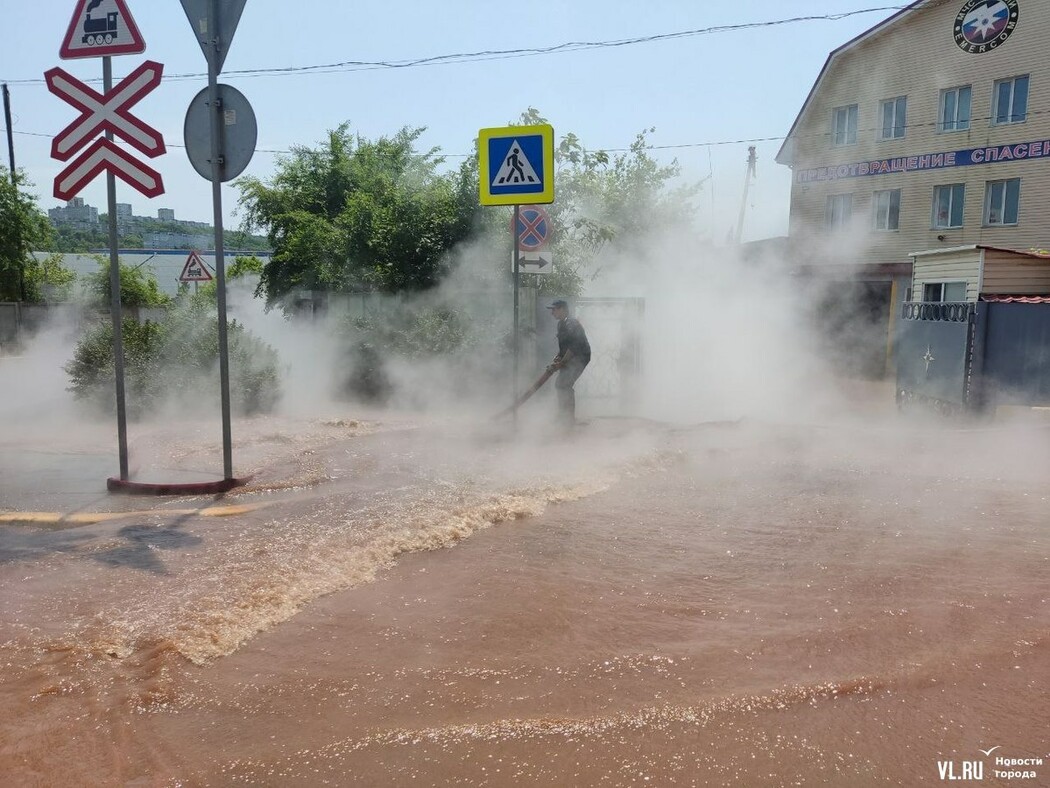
[707, 95]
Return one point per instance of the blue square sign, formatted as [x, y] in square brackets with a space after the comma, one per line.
[516, 165]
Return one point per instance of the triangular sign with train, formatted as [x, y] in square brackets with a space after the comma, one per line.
[101, 28]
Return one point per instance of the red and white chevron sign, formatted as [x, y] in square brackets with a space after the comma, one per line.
[101, 113]
[104, 155]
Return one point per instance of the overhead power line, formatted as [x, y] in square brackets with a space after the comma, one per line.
[673, 146]
[507, 54]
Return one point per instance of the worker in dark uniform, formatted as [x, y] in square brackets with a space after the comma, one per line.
[574, 354]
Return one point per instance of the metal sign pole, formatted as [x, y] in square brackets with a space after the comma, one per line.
[214, 58]
[517, 277]
[114, 291]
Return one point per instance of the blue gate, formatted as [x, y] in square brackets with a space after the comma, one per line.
[973, 356]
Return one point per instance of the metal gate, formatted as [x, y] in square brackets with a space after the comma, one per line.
[974, 356]
[1015, 363]
[935, 353]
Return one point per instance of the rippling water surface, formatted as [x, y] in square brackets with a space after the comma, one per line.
[724, 604]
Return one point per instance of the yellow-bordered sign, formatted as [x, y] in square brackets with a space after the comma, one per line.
[516, 165]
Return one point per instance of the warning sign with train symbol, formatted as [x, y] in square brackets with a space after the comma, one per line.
[101, 28]
[195, 270]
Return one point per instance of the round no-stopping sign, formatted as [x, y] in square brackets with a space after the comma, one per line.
[534, 228]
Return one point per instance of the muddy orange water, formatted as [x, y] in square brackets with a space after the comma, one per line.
[739, 604]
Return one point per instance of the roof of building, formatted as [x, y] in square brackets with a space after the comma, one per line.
[1013, 299]
[781, 158]
[1030, 253]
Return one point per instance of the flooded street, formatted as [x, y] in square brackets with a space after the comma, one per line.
[739, 603]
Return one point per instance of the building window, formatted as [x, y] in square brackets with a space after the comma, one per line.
[894, 114]
[1011, 101]
[839, 211]
[887, 209]
[844, 125]
[948, 206]
[955, 109]
[951, 292]
[1000, 202]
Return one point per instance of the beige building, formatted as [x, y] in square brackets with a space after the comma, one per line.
[979, 271]
[929, 131]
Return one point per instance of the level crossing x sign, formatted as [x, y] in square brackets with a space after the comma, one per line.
[100, 113]
[101, 28]
[516, 165]
[110, 112]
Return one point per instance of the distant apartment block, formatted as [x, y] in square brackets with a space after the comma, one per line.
[161, 232]
[75, 213]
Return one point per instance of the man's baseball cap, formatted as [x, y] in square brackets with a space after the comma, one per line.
[556, 304]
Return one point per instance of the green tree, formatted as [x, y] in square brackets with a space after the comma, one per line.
[172, 362]
[68, 239]
[242, 267]
[354, 214]
[138, 287]
[49, 279]
[605, 201]
[23, 228]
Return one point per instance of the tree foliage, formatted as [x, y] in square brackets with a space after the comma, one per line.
[607, 201]
[174, 363]
[242, 268]
[138, 287]
[23, 228]
[353, 214]
[49, 279]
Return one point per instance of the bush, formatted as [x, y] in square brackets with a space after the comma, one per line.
[176, 363]
[137, 287]
[463, 341]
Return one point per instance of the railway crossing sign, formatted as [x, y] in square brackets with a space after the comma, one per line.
[109, 112]
[516, 165]
[195, 270]
[101, 113]
[104, 155]
[101, 28]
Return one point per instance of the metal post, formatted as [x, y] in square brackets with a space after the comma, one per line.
[220, 253]
[517, 276]
[14, 181]
[114, 288]
[10, 133]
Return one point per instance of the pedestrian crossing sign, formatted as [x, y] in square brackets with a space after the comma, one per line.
[516, 165]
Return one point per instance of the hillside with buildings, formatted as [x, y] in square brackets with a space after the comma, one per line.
[80, 227]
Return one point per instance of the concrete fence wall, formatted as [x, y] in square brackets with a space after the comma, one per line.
[20, 321]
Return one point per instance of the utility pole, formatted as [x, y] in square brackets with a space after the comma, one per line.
[14, 180]
[10, 133]
[750, 176]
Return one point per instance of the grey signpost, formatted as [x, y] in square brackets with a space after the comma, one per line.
[114, 294]
[214, 22]
[88, 37]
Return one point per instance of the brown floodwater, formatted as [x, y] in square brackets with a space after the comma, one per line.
[404, 603]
